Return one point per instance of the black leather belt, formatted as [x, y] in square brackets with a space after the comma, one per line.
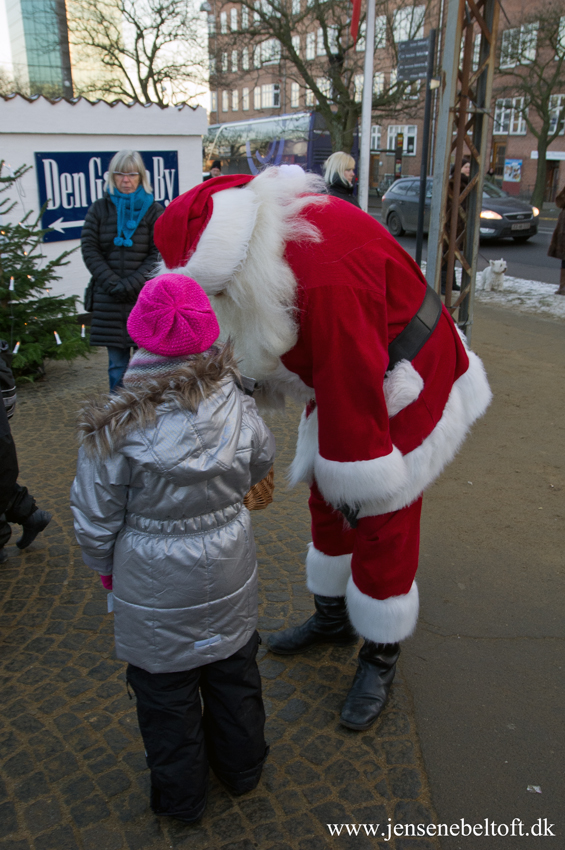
[418, 330]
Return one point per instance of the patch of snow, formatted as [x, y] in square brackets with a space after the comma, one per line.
[527, 296]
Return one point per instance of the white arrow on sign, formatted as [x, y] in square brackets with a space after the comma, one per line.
[60, 226]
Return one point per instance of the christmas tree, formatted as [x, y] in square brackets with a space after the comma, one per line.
[37, 325]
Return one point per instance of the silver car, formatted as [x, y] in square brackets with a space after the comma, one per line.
[501, 215]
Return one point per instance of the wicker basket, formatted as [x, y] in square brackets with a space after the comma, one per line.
[261, 494]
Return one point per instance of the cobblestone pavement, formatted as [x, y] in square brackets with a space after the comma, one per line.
[73, 770]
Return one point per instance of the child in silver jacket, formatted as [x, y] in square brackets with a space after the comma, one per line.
[163, 468]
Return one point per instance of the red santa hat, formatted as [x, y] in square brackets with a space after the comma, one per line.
[179, 229]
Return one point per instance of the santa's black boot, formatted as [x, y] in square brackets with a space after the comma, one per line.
[371, 685]
[330, 624]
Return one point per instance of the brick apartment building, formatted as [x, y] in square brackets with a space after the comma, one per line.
[251, 76]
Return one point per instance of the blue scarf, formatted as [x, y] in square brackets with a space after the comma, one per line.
[131, 209]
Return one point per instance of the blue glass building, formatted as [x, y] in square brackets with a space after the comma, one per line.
[40, 46]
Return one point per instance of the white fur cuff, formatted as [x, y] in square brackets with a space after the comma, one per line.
[356, 482]
[327, 575]
[383, 620]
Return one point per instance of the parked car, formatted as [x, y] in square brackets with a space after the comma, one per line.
[502, 215]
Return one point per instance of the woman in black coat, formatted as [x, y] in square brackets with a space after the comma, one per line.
[119, 252]
[339, 172]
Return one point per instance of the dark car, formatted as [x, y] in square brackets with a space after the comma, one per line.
[501, 215]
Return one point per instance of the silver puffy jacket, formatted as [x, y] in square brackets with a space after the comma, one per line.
[164, 513]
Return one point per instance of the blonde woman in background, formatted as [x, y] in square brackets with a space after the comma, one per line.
[119, 252]
[339, 172]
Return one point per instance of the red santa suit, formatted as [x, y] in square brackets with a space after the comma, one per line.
[370, 440]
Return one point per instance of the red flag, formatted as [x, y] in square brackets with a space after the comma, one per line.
[355, 15]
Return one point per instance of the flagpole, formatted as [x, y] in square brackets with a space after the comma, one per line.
[367, 108]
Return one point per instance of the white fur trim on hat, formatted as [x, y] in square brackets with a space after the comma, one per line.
[327, 575]
[224, 243]
[383, 620]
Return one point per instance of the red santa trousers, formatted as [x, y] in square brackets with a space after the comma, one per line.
[380, 554]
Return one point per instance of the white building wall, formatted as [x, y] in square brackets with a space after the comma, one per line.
[27, 127]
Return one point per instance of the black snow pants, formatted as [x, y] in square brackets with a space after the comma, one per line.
[182, 739]
[19, 509]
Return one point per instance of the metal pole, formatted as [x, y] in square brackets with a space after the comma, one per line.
[450, 67]
[367, 108]
[425, 147]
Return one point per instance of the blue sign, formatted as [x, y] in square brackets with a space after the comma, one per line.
[70, 182]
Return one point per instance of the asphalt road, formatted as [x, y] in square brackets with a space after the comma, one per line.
[529, 261]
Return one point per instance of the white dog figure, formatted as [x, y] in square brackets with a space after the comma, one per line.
[492, 278]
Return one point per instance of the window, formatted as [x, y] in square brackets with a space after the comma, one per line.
[560, 51]
[518, 125]
[257, 98]
[528, 42]
[233, 20]
[361, 39]
[212, 65]
[244, 18]
[413, 90]
[310, 45]
[245, 59]
[257, 56]
[392, 79]
[519, 45]
[378, 84]
[224, 63]
[476, 52]
[508, 117]
[296, 44]
[295, 7]
[235, 100]
[271, 51]
[380, 31]
[408, 23]
[223, 22]
[245, 99]
[213, 101]
[502, 111]
[310, 101]
[325, 86]
[411, 187]
[271, 96]
[410, 137]
[557, 107]
[333, 33]
[358, 87]
[375, 137]
[211, 25]
[225, 101]
[294, 95]
[234, 61]
[333, 45]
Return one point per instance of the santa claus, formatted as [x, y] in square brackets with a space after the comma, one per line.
[324, 306]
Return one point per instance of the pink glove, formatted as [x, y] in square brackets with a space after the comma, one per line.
[106, 582]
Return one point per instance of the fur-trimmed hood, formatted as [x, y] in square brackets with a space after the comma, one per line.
[104, 422]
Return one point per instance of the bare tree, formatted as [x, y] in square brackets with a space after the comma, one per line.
[310, 42]
[531, 82]
[151, 51]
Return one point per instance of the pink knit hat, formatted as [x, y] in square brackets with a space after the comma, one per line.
[173, 317]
